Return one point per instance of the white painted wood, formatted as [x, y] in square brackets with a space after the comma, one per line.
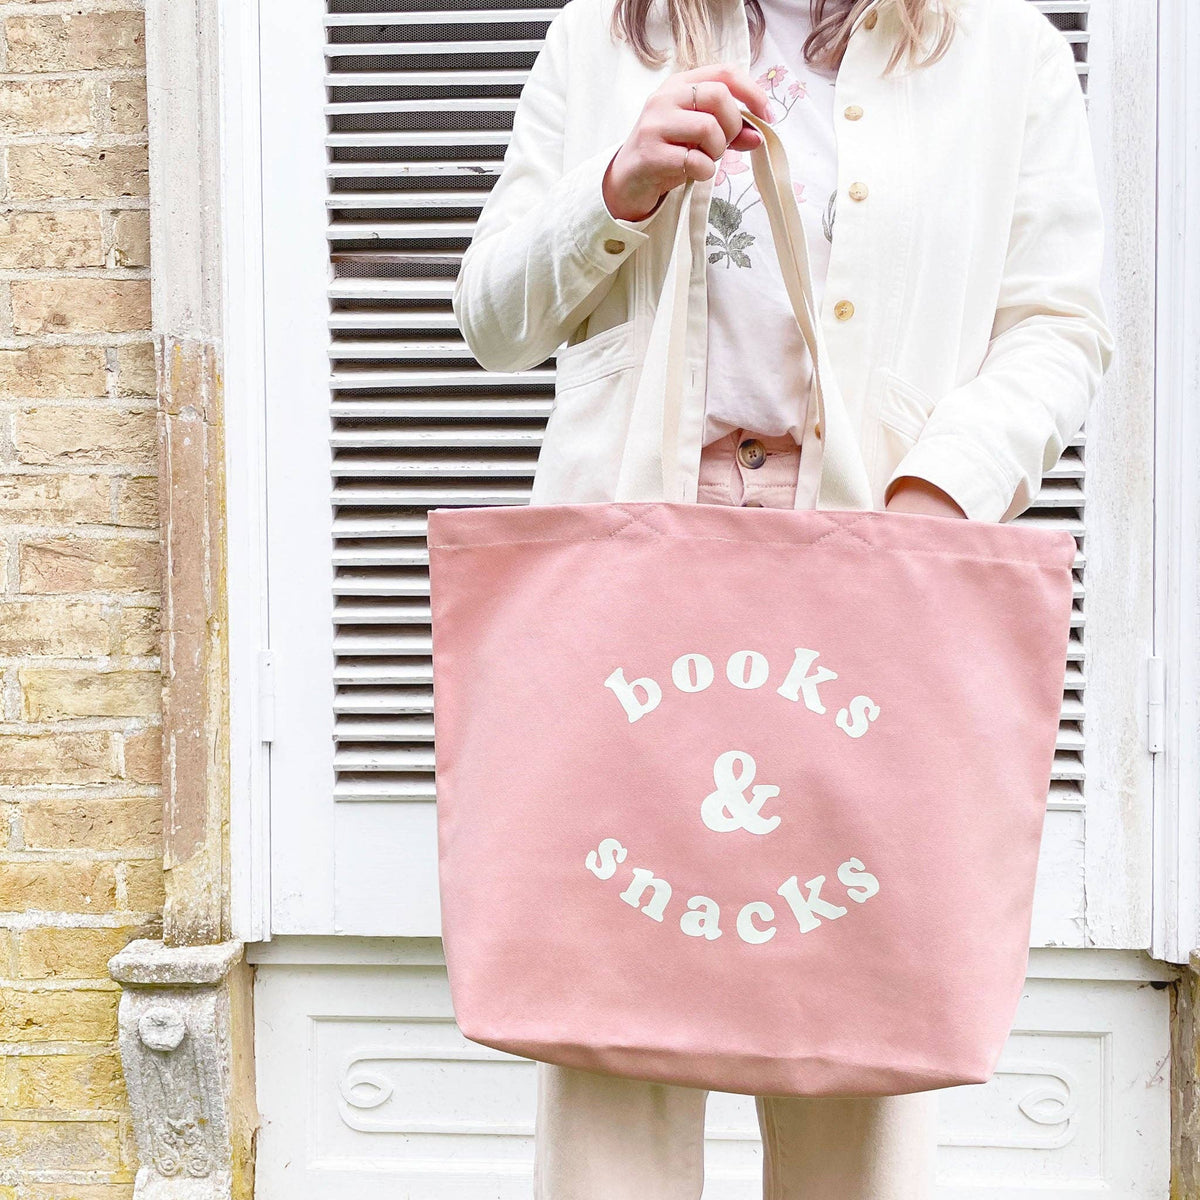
[1094, 886]
[243, 371]
[1177, 575]
[296, 337]
[1117, 633]
[388, 1102]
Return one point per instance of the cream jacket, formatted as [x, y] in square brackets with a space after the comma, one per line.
[962, 311]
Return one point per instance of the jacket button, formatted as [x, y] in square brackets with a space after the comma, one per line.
[870, 19]
[752, 453]
[853, 112]
[843, 310]
[614, 245]
[816, 429]
[858, 191]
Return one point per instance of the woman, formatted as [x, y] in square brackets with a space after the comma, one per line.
[946, 142]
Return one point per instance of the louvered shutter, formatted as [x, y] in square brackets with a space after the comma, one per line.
[418, 104]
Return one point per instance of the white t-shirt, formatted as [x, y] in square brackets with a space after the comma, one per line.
[759, 369]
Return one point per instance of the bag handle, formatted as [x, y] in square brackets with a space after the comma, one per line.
[660, 416]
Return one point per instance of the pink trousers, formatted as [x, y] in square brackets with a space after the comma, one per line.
[601, 1137]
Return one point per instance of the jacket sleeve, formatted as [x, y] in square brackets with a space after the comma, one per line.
[988, 442]
[545, 248]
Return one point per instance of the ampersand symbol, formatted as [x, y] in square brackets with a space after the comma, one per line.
[727, 808]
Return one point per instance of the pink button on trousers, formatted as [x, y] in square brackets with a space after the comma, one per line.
[602, 1137]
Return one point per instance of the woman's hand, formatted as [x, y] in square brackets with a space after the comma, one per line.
[915, 495]
[652, 161]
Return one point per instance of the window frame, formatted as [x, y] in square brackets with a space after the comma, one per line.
[276, 335]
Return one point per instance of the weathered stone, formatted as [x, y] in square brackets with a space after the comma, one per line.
[80, 305]
[45, 372]
[54, 499]
[50, 626]
[31, 759]
[74, 1015]
[42, 172]
[131, 239]
[89, 564]
[46, 106]
[139, 631]
[66, 238]
[50, 694]
[133, 824]
[136, 371]
[143, 756]
[144, 886]
[60, 1145]
[137, 502]
[72, 953]
[76, 41]
[184, 1024]
[50, 885]
[68, 1081]
[127, 106]
[63, 434]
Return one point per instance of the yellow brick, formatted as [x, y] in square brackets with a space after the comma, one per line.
[45, 436]
[64, 628]
[127, 105]
[137, 502]
[78, 1191]
[51, 694]
[79, 305]
[42, 372]
[45, 106]
[139, 631]
[51, 885]
[8, 1193]
[54, 499]
[68, 1015]
[144, 886]
[50, 239]
[89, 564]
[143, 756]
[133, 824]
[51, 953]
[42, 172]
[131, 238]
[72, 1082]
[30, 759]
[60, 1145]
[75, 42]
[135, 370]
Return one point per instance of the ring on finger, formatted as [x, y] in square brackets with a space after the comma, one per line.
[693, 97]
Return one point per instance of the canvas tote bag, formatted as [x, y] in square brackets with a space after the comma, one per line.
[744, 798]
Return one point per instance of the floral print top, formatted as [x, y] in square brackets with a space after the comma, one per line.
[759, 368]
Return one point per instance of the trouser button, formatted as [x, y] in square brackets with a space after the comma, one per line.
[752, 453]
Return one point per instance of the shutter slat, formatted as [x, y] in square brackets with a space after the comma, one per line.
[424, 17]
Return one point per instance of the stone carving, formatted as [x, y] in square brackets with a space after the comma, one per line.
[175, 1021]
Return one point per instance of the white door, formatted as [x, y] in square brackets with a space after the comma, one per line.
[382, 127]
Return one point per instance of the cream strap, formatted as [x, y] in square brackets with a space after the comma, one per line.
[844, 483]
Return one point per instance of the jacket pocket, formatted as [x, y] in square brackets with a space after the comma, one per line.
[584, 439]
[904, 409]
[612, 349]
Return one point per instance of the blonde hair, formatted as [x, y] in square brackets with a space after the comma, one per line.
[695, 31]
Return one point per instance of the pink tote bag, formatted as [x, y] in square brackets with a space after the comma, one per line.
[744, 798]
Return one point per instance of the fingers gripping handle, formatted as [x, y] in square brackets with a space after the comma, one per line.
[661, 415]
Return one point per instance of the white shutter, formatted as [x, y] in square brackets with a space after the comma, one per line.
[416, 107]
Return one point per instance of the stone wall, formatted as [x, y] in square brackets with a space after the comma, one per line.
[80, 724]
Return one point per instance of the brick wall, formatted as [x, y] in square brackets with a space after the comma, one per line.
[79, 623]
